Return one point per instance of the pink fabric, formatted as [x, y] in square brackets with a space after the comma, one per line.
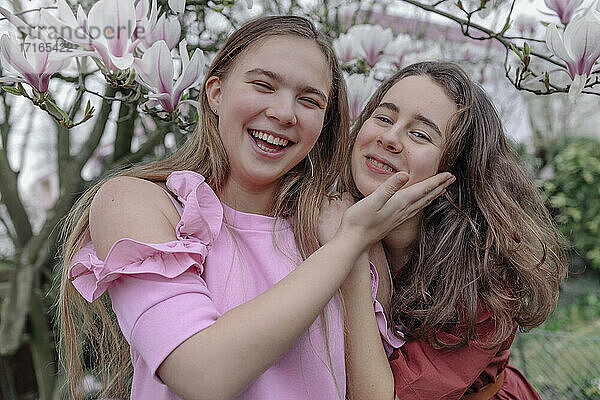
[164, 293]
[390, 341]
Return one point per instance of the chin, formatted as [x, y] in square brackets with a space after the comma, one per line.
[366, 186]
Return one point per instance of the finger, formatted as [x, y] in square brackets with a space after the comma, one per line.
[387, 189]
[419, 195]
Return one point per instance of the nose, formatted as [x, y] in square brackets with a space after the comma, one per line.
[390, 141]
[282, 110]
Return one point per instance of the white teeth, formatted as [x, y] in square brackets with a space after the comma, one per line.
[381, 165]
[269, 138]
[265, 148]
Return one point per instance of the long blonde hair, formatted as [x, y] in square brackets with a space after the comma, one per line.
[297, 198]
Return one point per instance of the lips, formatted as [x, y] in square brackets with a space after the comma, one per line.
[381, 163]
[269, 144]
[270, 138]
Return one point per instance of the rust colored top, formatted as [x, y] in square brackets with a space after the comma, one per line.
[422, 372]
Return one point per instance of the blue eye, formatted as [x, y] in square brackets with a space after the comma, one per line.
[420, 135]
[384, 119]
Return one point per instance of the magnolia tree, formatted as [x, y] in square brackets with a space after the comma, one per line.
[116, 82]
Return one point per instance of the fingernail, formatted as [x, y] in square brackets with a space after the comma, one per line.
[452, 179]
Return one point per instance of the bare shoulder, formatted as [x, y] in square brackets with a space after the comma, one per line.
[128, 207]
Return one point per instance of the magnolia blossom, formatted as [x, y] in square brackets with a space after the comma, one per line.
[167, 29]
[36, 65]
[372, 40]
[110, 29]
[345, 47]
[397, 50]
[155, 72]
[525, 24]
[360, 89]
[578, 47]
[563, 8]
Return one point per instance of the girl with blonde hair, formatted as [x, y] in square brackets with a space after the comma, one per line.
[210, 257]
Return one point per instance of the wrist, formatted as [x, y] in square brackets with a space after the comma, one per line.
[352, 239]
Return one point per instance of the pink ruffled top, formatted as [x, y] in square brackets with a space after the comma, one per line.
[163, 293]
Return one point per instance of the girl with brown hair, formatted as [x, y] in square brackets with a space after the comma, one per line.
[210, 256]
[478, 263]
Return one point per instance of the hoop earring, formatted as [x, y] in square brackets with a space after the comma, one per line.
[312, 168]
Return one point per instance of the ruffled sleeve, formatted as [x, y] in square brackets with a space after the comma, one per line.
[157, 290]
[390, 341]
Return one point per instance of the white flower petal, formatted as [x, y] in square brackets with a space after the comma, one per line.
[12, 56]
[141, 9]
[360, 89]
[577, 87]
[16, 21]
[66, 14]
[191, 76]
[115, 20]
[123, 62]
[554, 41]
[178, 6]
[582, 40]
[183, 53]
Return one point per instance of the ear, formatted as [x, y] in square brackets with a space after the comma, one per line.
[213, 91]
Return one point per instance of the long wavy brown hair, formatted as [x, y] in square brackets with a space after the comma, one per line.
[298, 197]
[488, 242]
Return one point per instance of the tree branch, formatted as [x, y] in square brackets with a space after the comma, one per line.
[124, 136]
[5, 126]
[12, 201]
[93, 140]
[468, 24]
[146, 148]
[9, 231]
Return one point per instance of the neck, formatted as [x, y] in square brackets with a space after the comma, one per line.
[248, 198]
[398, 242]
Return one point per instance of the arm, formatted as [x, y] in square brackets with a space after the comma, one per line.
[367, 368]
[271, 322]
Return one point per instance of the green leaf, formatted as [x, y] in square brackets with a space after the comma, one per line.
[517, 51]
[526, 48]
[506, 26]
[12, 90]
[56, 110]
[88, 107]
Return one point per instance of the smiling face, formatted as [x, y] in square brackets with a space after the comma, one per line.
[271, 107]
[404, 133]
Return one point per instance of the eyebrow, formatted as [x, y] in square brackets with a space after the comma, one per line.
[417, 117]
[279, 78]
